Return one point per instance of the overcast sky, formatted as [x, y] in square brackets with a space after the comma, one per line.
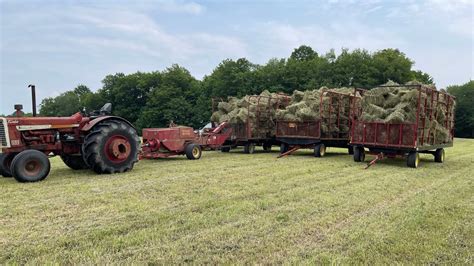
[60, 44]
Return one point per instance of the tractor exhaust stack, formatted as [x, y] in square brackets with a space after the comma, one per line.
[33, 98]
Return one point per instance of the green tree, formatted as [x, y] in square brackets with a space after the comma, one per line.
[174, 99]
[391, 64]
[303, 53]
[464, 123]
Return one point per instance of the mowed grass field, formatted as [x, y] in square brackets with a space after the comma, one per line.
[238, 208]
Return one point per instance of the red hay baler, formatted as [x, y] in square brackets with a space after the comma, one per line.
[181, 140]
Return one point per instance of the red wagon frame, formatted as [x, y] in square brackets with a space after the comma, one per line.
[404, 139]
[309, 134]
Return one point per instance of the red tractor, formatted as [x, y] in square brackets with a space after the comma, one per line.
[179, 140]
[106, 144]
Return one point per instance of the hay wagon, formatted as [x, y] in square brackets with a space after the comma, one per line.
[258, 128]
[331, 129]
[408, 139]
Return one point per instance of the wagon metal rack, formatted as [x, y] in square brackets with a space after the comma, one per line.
[311, 134]
[253, 131]
[390, 140]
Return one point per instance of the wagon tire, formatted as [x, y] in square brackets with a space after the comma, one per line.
[284, 148]
[5, 164]
[249, 148]
[359, 154]
[350, 150]
[413, 159]
[439, 155]
[30, 166]
[319, 150]
[75, 162]
[267, 147]
[225, 149]
[193, 151]
[111, 146]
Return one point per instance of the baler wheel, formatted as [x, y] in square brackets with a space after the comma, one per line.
[111, 147]
[225, 149]
[413, 159]
[249, 148]
[193, 152]
[439, 155]
[30, 166]
[5, 164]
[75, 162]
[284, 148]
[359, 154]
[319, 150]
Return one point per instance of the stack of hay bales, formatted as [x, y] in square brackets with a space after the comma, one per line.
[306, 107]
[394, 104]
[258, 110]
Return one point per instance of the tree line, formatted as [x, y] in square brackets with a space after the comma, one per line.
[153, 99]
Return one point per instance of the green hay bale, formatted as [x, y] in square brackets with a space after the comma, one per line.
[306, 113]
[224, 107]
[391, 100]
[397, 116]
[216, 116]
[297, 96]
[375, 110]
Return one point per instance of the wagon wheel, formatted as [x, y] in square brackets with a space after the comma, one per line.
[320, 150]
[249, 148]
[284, 148]
[413, 159]
[359, 154]
[439, 155]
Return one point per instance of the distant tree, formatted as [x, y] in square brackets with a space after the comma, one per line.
[464, 124]
[230, 78]
[354, 68]
[391, 64]
[303, 53]
[174, 99]
[421, 77]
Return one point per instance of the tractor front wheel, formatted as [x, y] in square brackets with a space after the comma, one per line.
[30, 166]
[75, 162]
[111, 147]
[5, 164]
[193, 151]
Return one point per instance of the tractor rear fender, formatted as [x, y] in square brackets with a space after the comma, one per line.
[97, 120]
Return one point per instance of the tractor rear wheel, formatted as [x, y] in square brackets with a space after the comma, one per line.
[359, 154]
[5, 164]
[30, 166]
[75, 162]
[111, 147]
[413, 159]
[319, 150]
[193, 151]
[249, 148]
[439, 155]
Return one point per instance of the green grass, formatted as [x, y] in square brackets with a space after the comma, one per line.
[237, 208]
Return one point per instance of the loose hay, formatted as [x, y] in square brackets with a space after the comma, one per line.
[392, 104]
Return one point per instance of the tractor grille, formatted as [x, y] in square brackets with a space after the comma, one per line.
[4, 141]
